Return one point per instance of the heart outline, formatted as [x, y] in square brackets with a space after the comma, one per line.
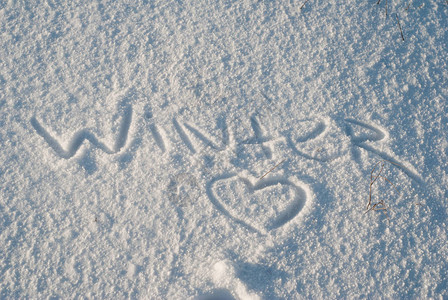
[285, 216]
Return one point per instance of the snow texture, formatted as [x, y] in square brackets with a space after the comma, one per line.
[223, 149]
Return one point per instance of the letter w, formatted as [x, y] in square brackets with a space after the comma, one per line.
[79, 137]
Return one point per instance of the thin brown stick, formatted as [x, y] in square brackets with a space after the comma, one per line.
[304, 4]
[380, 205]
[390, 183]
[370, 196]
[372, 208]
[379, 173]
[271, 169]
[386, 8]
[399, 25]
[391, 162]
[372, 180]
[409, 4]
[384, 208]
[378, 2]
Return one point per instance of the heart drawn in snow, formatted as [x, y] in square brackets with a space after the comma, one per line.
[261, 206]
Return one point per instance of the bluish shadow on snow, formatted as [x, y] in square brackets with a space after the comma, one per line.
[87, 162]
[124, 160]
[220, 294]
[442, 287]
[260, 277]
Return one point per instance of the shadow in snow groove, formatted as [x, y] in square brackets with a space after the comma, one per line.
[378, 134]
[79, 137]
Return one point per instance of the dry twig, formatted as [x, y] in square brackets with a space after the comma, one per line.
[271, 169]
[304, 4]
[380, 205]
[399, 25]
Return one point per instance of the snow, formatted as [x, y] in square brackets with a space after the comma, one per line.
[223, 149]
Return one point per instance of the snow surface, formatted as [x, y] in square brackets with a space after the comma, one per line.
[134, 135]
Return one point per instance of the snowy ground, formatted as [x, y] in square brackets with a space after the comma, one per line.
[134, 138]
